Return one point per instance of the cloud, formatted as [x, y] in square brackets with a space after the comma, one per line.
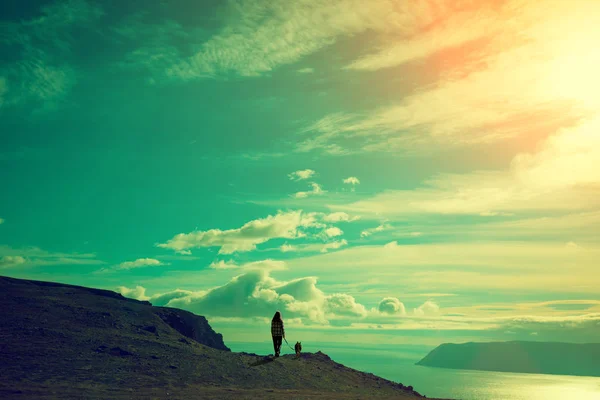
[44, 43]
[140, 262]
[285, 225]
[334, 245]
[339, 217]
[391, 305]
[255, 293]
[138, 293]
[285, 31]
[427, 308]
[301, 174]
[316, 190]
[470, 102]
[223, 265]
[34, 257]
[391, 245]
[351, 180]
[306, 71]
[287, 248]
[332, 232]
[370, 231]
[344, 305]
[562, 166]
[11, 261]
[1, 221]
[314, 247]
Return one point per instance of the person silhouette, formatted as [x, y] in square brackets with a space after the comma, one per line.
[278, 332]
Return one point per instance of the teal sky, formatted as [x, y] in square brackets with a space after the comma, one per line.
[414, 172]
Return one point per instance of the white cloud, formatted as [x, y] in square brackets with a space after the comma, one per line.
[391, 245]
[332, 232]
[344, 305]
[138, 293]
[339, 217]
[314, 247]
[427, 308]
[316, 190]
[11, 261]
[370, 231]
[282, 225]
[351, 180]
[140, 262]
[285, 31]
[547, 267]
[306, 71]
[334, 245]
[301, 174]
[255, 293]
[223, 265]
[559, 176]
[34, 256]
[287, 248]
[391, 305]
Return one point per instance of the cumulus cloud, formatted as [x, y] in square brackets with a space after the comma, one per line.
[140, 262]
[345, 305]
[223, 265]
[301, 174]
[255, 293]
[285, 225]
[351, 180]
[332, 232]
[138, 293]
[427, 308]
[316, 190]
[11, 261]
[391, 305]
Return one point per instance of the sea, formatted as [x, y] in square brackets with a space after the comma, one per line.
[397, 363]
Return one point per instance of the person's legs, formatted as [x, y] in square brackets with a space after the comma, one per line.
[275, 345]
[277, 342]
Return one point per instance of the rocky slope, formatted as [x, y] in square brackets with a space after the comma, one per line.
[63, 341]
[518, 356]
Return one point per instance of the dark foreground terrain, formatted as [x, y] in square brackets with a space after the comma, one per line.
[62, 341]
[517, 356]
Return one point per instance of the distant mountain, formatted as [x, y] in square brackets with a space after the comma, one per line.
[527, 357]
[64, 341]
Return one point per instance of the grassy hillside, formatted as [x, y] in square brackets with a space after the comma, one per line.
[61, 341]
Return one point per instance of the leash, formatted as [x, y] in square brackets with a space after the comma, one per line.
[289, 344]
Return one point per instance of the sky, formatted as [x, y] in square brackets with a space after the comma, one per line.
[402, 172]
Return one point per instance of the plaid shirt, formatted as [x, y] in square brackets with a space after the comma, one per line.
[277, 328]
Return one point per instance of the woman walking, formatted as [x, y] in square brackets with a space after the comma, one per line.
[277, 332]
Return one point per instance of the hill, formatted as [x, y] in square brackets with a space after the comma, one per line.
[64, 341]
[517, 356]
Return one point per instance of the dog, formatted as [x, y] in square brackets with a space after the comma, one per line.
[298, 348]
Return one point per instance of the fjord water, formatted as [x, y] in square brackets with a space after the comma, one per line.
[397, 363]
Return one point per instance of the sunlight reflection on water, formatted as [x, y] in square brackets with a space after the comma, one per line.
[398, 365]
